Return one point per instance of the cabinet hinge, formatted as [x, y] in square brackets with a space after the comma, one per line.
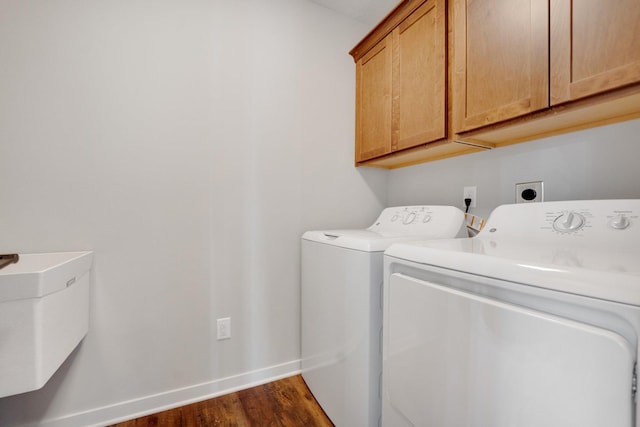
[634, 382]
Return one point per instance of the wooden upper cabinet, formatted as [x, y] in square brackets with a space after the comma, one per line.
[401, 81]
[595, 47]
[420, 76]
[516, 57]
[438, 78]
[373, 102]
[501, 60]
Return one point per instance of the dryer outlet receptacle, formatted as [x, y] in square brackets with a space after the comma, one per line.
[529, 192]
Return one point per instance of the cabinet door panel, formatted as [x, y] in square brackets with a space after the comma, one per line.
[373, 113]
[595, 47]
[501, 60]
[419, 102]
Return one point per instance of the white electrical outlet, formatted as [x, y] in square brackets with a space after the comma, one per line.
[470, 193]
[224, 328]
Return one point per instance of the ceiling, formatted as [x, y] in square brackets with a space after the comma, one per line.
[369, 12]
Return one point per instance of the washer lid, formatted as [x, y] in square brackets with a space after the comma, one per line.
[361, 240]
[397, 224]
[596, 260]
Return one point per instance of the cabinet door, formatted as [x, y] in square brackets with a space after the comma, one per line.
[595, 47]
[373, 102]
[501, 60]
[419, 95]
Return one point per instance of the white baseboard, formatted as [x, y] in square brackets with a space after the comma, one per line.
[151, 404]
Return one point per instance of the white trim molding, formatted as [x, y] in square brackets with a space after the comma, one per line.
[159, 402]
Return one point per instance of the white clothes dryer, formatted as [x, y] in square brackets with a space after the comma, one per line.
[341, 307]
[532, 323]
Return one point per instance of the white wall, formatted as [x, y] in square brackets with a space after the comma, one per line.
[189, 144]
[600, 163]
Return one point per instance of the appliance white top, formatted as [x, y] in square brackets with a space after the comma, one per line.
[397, 224]
[589, 248]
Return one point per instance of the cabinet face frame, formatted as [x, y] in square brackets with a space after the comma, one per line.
[569, 70]
[537, 86]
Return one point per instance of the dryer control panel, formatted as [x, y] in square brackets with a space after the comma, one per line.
[588, 218]
[579, 218]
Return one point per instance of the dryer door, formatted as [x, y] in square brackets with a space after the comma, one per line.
[453, 359]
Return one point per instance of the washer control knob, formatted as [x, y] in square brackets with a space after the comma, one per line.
[409, 218]
[568, 221]
[619, 222]
[394, 218]
[426, 218]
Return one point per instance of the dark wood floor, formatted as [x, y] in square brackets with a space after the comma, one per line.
[287, 402]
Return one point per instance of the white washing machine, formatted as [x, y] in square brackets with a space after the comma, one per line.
[532, 323]
[342, 307]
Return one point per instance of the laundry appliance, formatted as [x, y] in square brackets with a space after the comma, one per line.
[342, 307]
[534, 322]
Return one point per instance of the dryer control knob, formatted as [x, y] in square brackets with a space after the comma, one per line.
[409, 218]
[619, 222]
[426, 218]
[568, 221]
